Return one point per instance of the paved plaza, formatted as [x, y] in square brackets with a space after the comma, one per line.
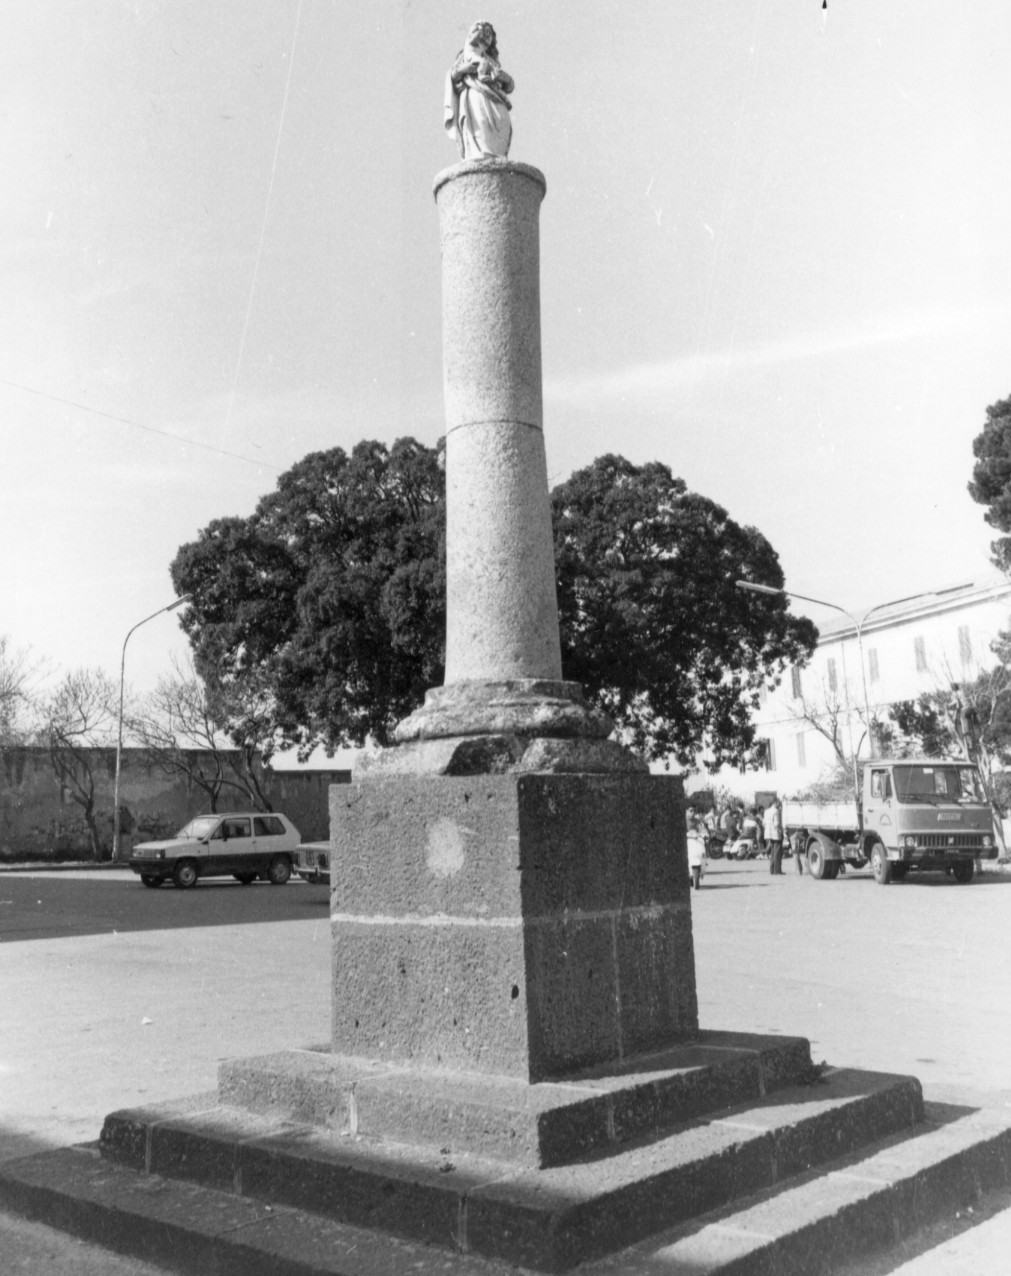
[118, 1002]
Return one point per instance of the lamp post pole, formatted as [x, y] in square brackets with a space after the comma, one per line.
[119, 738]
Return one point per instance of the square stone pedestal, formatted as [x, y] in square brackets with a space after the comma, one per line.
[523, 925]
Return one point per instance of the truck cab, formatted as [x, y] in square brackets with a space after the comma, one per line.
[926, 815]
[915, 815]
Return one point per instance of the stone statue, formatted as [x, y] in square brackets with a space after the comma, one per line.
[477, 109]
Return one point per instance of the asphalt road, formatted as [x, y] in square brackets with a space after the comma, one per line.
[61, 904]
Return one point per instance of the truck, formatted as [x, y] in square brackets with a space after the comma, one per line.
[913, 816]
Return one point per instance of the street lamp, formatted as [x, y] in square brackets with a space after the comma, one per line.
[858, 626]
[119, 739]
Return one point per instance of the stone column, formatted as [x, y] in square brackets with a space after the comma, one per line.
[501, 610]
[504, 703]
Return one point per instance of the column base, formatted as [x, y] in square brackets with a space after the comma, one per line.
[522, 925]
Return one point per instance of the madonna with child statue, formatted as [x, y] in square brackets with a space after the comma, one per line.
[477, 109]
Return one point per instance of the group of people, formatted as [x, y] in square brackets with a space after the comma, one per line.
[744, 832]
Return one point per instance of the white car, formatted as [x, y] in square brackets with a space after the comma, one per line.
[240, 844]
[312, 863]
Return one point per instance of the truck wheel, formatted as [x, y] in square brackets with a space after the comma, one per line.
[149, 879]
[279, 870]
[963, 872]
[185, 874]
[816, 860]
[899, 872]
[880, 866]
[832, 870]
[697, 876]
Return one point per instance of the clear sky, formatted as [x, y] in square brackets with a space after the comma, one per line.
[775, 256]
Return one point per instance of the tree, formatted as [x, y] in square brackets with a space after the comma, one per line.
[18, 675]
[327, 605]
[325, 608]
[652, 624]
[920, 727]
[991, 477]
[186, 732]
[78, 719]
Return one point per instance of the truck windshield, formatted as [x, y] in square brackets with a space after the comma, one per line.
[938, 783]
[199, 828]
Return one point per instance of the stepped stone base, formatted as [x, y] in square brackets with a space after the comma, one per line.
[545, 1220]
[501, 1118]
[798, 1181]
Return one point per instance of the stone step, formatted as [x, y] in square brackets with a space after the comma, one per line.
[182, 1227]
[863, 1209]
[543, 1125]
[548, 1220]
[814, 1225]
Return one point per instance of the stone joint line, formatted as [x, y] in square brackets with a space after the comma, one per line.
[503, 923]
[466, 425]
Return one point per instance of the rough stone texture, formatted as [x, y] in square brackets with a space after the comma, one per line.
[497, 755]
[548, 1124]
[524, 925]
[517, 706]
[555, 1218]
[502, 617]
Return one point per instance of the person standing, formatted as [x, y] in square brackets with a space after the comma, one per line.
[696, 848]
[772, 823]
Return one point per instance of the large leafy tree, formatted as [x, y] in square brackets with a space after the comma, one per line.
[327, 605]
[651, 621]
[991, 477]
[324, 607]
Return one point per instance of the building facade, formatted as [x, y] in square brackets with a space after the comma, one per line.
[861, 666]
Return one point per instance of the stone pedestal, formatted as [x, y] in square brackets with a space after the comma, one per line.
[528, 926]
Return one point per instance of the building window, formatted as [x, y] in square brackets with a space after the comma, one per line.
[795, 681]
[831, 674]
[964, 644]
[920, 651]
[872, 664]
[766, 754]
[801, 751]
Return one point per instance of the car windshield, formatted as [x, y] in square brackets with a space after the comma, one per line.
[200, 827]
[937, 784]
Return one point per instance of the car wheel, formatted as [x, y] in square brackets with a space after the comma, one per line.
[246, 879]
[816, 860]
[880, 866]
[279, 870]
[185, 874]
[696, 877]
[963, 872]
[149, 879]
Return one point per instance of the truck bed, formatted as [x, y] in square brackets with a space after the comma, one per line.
[820, 815]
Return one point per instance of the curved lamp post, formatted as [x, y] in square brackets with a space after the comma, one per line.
[119, 739]
[858, 626]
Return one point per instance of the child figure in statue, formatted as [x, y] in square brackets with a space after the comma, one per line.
[477, 109]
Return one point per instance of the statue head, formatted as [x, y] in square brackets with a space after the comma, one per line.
[482, 35]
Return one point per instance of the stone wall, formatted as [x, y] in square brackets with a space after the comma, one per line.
[40, 820]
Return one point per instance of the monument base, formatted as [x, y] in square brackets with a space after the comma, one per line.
[519, 925]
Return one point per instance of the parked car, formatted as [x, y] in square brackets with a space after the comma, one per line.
[312, 863]
[240, 844]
